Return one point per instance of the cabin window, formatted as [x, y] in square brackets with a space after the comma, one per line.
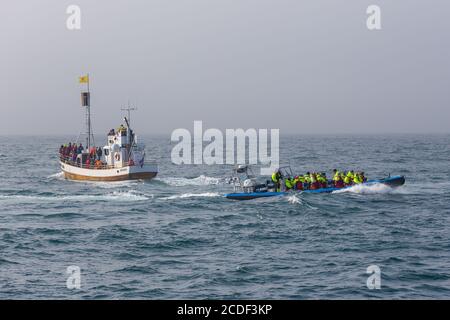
[106, 152]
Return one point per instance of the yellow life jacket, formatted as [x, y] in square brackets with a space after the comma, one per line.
[274, 177]
[337, 176]
[288, 183]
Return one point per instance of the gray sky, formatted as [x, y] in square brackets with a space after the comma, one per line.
[301, 66]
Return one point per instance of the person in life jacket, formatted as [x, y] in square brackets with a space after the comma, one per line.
[307, 178]
[300, 182]
[338, 179]
[288, 183]
[318, 180]
[336, 174]
[363, 177]
[348, 180]
[276, 177]
[314, 183]
[350, 174]
[296, 183]
[322, 180]
[357, 179]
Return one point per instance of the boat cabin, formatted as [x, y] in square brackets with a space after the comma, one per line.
[122, 148]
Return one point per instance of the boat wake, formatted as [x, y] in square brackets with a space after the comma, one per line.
[296, 199]
[377, 188]
[113, 184]
[114, 196]
[100, 184]
[199, 181]
[193, 195]
[58, 175]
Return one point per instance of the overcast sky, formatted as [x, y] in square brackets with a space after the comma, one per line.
[301, 66]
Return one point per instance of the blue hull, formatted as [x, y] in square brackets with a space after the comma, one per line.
[394, 181]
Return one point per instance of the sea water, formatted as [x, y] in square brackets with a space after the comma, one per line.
[178, 237]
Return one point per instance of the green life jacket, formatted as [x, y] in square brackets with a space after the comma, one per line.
[337, 176]
[274, 177]
[288, 183]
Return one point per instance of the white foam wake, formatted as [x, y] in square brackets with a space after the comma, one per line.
[113, 184]
[100, 184]
[58, 175]
[114, 196]
[377, 188]
[293, 199]
[192, 195]
[199, 181]
[296, 199]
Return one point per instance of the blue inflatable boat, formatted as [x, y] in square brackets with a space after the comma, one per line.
[392, 181]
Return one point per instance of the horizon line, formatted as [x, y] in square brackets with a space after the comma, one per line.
[281, 134]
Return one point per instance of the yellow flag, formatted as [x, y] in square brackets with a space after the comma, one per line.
[84, 79]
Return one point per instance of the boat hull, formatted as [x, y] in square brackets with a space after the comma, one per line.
[393, 182]
[145, 172]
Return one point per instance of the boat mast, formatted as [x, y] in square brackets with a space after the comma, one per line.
[86, 102]
[88, 117]
[129, 109]
[131, 137]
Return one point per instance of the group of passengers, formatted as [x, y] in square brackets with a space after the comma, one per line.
[341, 179]
[71, 153]
[317, 180]
[122, 130]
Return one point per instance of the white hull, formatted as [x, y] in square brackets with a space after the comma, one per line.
[146, 172]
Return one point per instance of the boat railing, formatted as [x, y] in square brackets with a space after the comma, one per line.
[69, 161]
[102, 166]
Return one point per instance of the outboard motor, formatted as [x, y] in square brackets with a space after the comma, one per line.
[249, 185]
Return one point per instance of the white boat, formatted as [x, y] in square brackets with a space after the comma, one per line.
[122, 158]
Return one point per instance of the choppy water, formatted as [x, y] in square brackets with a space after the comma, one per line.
[176, 237]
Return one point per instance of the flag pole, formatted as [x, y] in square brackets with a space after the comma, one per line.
[89, 114]
[86, 102]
